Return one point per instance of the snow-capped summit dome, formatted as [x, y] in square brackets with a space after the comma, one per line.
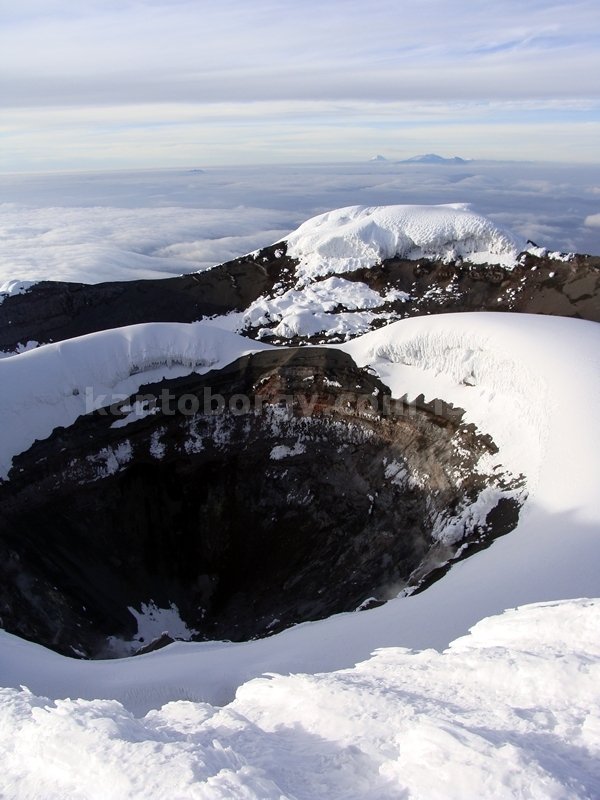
[356, 237]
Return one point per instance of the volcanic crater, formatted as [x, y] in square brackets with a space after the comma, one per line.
[301, 490]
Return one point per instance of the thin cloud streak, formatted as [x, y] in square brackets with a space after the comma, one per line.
[244, 58]
[287, 138]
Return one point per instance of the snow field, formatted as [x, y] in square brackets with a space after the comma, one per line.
[509, 711]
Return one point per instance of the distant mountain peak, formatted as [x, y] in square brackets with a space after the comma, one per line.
[378, 158]
[433, 158]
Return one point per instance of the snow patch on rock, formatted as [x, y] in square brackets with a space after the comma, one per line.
[334, 306]
[281, 451]
[152, 622]
[13, 287]
[111, 459]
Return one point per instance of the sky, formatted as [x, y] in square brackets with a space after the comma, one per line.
[150, 83]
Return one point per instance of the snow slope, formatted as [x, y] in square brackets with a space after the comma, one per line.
[43, 389]
[359, 237]
[510, 711]
[530, 381]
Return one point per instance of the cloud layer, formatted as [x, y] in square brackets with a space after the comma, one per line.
[120, 226]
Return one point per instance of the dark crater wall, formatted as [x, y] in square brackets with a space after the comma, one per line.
[310, 502]
[56, 311]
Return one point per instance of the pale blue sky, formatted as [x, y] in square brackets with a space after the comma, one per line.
[98, 83]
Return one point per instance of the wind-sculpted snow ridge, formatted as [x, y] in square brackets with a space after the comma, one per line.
[359, 237]
[511, 710]
[475, 362]
[52, 386]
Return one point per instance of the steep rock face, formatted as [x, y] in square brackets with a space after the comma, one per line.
[255, 284]
[285, 487]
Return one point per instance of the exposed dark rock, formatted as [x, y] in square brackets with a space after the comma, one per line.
[315, 498]
[540, 285]
[52, 311]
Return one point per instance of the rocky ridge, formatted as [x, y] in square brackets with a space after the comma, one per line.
[321, 493]
[539, 284]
